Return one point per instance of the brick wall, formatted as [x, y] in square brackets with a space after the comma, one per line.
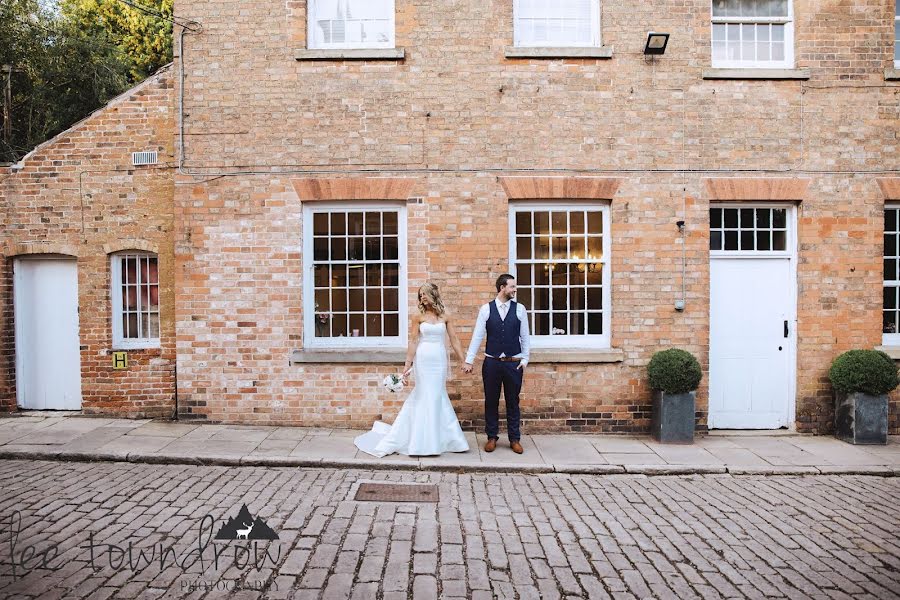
[80, 196]
[456, 114]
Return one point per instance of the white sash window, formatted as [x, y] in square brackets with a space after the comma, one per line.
[752, 33]
[351, 23]
[556, 23]
[135, 300]
[355, 277]
[560, 256]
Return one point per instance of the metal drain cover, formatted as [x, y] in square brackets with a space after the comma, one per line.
[396, 492]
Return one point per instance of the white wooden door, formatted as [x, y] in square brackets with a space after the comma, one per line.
[48, 359]
[751, 374]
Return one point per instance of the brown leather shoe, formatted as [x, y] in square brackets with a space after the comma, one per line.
[516, 447]
[491, 445]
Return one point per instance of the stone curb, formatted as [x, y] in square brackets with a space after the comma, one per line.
[467, 466]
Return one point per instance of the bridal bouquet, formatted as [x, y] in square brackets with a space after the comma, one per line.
[393, 383]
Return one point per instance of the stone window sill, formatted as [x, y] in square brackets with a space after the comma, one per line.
[350, 54]
[553, 355]
[756, 73]
[350, 355]
[892, 351]
[556, 52]
[892, 74]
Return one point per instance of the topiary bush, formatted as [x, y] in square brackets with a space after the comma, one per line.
[674, 371]
[868, 371]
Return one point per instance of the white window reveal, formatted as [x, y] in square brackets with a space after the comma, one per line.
[897, 35]
[351, 23]
[752, 33]
[135, 300]
[355, 290]
[761, 230]
[891, 308]
[556, 23]
[560, 257]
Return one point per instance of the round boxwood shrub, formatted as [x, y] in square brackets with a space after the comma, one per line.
[674, 371]
[868, 371]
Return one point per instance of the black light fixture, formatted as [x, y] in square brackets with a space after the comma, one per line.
[656, 43]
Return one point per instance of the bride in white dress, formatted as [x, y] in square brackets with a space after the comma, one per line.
[427, 424]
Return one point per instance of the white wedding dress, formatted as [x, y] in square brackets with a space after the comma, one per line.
[427, 424]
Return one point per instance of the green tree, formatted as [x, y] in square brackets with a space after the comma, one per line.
[69, 59]
[145, 38]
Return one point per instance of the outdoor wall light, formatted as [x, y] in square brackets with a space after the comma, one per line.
[656, 43]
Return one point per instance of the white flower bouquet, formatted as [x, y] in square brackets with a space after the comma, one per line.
[393, 382]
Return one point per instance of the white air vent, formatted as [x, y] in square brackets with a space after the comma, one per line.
[144, 158]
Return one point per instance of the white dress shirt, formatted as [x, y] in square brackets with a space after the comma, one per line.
[481, 330]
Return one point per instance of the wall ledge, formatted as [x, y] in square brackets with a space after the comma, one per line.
[601, 52]
[350, 54]
[553, 355]
[892, 351]
[772, 74]
[350, 356]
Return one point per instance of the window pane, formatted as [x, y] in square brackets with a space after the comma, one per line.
[523, 296]
[595, 323]
[576, 222]
[715, 240]
[731, 218]
[542, 247]
[339, 300]
[373, 275]
[890, 245]
[542, 223]
[779, 218]
[338, 224]
[338, 248]
[890, 297]
[595, 222]
[715, 218]
[357, 325]
[320, 224]
[523, 274]
[391, 275]
[746, 218]
[373, 300]
[890, 216]
[390, 298]
[779, 240]
[339, 326]
[373, 223]
[559, 223]
[560, 248]
[356, 275]
[747, 240]
[355, 248]
[523, 248]
[731, 240]
[373, 248]
[763, 240]
[390, 223]
[523, 223]
[542, 298]
[355, 223]
[594, 298]
[560, 323]
[541, 323]
[320, 249]
[391, 325]
[890, 269]
[889, 324]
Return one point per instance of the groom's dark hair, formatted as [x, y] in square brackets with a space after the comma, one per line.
[502, 280]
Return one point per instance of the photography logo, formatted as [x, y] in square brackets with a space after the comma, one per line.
[245, 527]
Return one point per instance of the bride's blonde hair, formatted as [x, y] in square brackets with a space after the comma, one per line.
[430, 291]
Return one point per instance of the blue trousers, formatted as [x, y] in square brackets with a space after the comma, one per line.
[506, 374]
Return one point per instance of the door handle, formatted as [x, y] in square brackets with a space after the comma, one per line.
[786, 332]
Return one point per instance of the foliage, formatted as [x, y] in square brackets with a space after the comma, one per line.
[70, 59]
[674, 371]
[867, 371]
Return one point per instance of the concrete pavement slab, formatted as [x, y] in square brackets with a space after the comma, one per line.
[156, 428]
[620, 445]
[138, 443]
[568, 449]
[647, 458]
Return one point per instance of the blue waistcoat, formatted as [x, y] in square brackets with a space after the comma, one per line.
[503, 336]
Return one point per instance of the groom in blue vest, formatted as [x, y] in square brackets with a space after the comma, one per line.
[505, 323]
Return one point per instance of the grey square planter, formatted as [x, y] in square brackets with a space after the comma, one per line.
[672, 421]
[861, 418]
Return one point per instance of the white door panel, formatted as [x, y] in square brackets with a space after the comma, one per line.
[750, 359]
[48, 358]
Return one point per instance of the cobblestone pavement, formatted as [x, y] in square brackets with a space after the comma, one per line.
[490, 535]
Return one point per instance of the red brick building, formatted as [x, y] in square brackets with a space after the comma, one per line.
[337, 154]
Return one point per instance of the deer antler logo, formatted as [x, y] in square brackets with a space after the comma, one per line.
[243, 533]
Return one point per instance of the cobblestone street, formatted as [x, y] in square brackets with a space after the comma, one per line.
[490, 535]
